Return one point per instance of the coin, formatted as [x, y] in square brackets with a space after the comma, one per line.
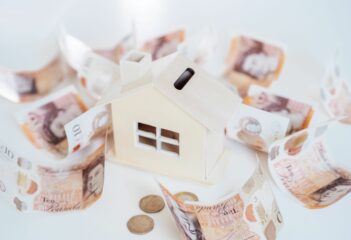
[140, 224]
[151, 204]
[186, 196]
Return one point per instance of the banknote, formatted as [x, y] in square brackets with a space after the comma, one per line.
[93, 123]
[299, 113]
[256, 128]
[336, 94]
[72, 49]
[201, 46]
[43, 121]
[97, 74]
[251, 213]
[251, 61]
[164, 45]
[184, 216]
[72, 184]
[29, 85]
[303, 166]
[115, 54]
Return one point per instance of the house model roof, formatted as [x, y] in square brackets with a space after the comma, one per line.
[203, 97]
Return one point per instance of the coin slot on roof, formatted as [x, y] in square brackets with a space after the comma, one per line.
[184, 78]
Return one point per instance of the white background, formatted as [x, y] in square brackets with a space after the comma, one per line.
[310, 30]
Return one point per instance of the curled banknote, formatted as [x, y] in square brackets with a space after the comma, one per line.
[250, 214]
[29, 85]
[251, 61]
[43, 121]
[164, 45]
[115, 54]
[256, 128]
[47, 185]
[303, 166]
[201, 46]
[298, 113]
[97, 69]
[336, 94]
[97, 74]
[96, 122]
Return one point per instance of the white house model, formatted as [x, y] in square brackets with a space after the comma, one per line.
[170, 116]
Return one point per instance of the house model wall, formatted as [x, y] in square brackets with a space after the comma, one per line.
[171, 118]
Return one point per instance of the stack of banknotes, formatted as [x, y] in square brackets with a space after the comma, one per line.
[77, 135]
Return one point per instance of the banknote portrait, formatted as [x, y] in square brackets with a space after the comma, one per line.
[93, 177]
[55, 119]
[44, 125]
[251, 61]
[256, 59]
[332, 192]
[185, 220]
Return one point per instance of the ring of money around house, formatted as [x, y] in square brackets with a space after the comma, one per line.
[140, 224]
[151, 204]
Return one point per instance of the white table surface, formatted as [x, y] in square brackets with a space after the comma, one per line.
[310, 30]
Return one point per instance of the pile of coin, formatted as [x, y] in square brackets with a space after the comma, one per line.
[142, 224]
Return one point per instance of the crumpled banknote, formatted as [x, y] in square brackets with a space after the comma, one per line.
[299, 113]
[252, 213]
[43, 121]
[265, 117]
[253, 61]
[97, 70]
[302, 165]
[336, 94]
[25, 86]
[73, 177]
[47, 185]
[164, 45]
[256, 128]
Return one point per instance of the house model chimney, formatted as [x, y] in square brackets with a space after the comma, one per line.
[134, 66]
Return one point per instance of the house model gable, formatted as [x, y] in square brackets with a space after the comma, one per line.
[171, 119]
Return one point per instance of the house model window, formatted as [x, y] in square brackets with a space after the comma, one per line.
[158, 139]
